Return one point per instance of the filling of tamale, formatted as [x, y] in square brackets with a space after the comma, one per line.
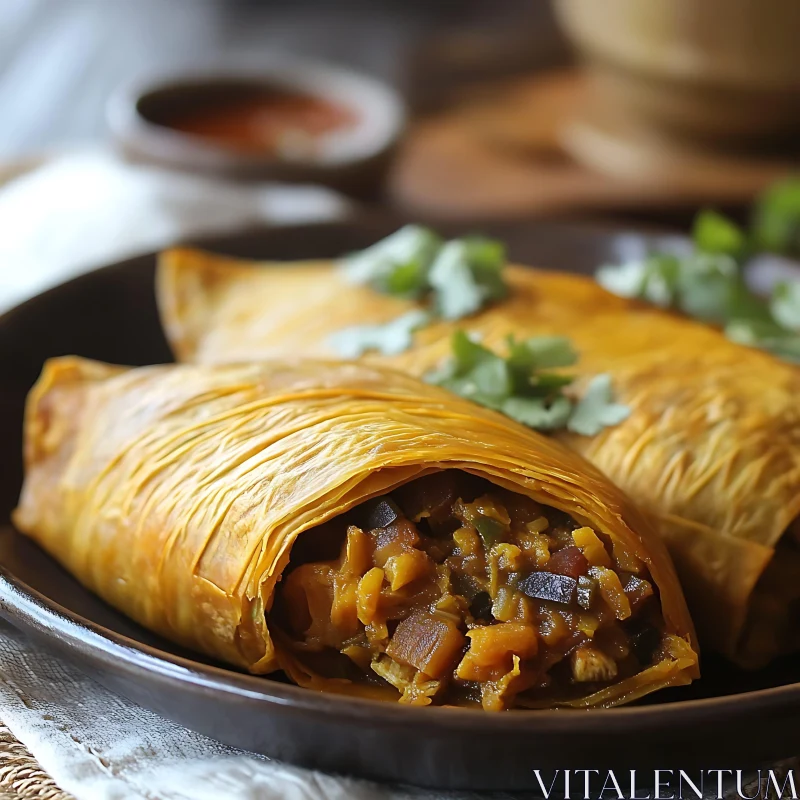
[456, 592]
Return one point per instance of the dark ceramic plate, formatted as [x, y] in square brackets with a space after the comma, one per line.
[728, 719]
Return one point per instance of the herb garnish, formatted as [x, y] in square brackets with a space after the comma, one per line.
[776, 218]
[458, 278]
[523, 386]
[390, 338]
[707, 283]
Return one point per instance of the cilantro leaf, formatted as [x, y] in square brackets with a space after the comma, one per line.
[486, 259]
[596, 409]
[457, 292]
[390, 338]
[466, 275]
[716, 234]
[785, 304]
[398, 264]
[707, 286]
[521, 387]
[654, 279]
[536, 413]
[541, 352]
[462, 275]
[776, 220]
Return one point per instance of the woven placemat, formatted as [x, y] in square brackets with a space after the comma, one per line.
[21, 777]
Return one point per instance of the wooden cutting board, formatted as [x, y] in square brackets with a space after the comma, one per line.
[545, 145]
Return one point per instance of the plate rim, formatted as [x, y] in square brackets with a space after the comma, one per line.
[31, 611]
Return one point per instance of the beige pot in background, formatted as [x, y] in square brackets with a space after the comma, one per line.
[725, 71]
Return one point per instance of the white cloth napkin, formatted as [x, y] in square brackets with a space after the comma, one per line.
[99, 746]
[88, 208]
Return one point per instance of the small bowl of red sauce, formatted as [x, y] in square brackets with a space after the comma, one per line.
[293, 121]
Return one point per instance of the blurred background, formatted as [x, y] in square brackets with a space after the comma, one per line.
[194, 111]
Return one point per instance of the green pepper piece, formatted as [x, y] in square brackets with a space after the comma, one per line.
[491, 530]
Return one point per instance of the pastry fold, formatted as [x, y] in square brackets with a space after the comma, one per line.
[177, 492]
[711, 449]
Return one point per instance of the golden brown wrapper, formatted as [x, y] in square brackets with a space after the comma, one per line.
[176, 492]
[712, 447]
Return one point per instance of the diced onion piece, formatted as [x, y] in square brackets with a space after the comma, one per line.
[430, 644]
[611, 591]
[369, 595]
[503, 557]
[505, 604]
[420, 691]
[594, 550]
[398, 675]
[406, 568]
[358, 552]
[539, 525]
[590, 665]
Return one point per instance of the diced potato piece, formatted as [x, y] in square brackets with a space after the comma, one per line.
[587, 624]
[536, 547]
[593, 549]
[492, 647]
[358, 552]
[508, 556]
[369, 595]
[407, 567]
[611, 591]
[590, 664]
[344, 611]
[553, 627]
[429, 643]
[625, 561]
[467, 541]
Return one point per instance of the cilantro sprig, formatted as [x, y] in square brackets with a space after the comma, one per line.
[455, 278]
[708, 282]
[522, 384]
[776, 218]
[391, 338]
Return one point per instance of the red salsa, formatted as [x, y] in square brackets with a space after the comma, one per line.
[262, 121]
